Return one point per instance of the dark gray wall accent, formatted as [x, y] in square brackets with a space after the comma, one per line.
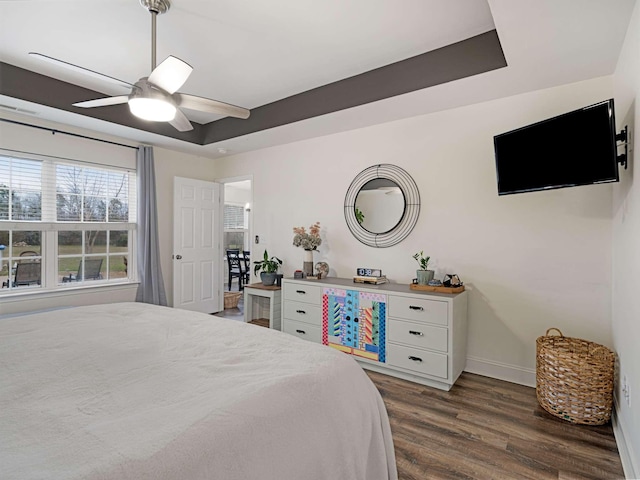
[475, 55]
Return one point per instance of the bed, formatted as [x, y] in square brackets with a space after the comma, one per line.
[137, 391]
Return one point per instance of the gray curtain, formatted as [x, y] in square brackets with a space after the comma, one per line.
[151, 288]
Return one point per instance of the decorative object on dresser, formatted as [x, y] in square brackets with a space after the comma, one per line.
[414, 335]
[436, 288]
[423, 274]
[451, 280]
[382, 205]
[372, 276]
[309, 241]
[269, 267]
[368, 272]
[450, 284]
[322, 269]
[370, 280]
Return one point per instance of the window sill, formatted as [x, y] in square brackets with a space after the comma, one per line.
[32, 294]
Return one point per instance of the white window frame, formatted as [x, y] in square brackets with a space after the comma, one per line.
[49, 227]
[245, 228]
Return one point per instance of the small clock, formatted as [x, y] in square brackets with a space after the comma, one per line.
[369, 272]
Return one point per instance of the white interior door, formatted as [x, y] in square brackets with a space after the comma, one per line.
[197, 254]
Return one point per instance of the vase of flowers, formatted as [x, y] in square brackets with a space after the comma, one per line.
[309, 241]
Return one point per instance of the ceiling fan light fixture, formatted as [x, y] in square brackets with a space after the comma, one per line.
[152, 109]
[149, 103]
[155, 98]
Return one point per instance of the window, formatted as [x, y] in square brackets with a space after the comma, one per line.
[235, 227]
[64, 223]
[20, 189]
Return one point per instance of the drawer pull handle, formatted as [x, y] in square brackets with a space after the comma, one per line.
[301, 292]
[413, 332]
[301, 331]
[415, 359]
[413, 307]
[301, 311]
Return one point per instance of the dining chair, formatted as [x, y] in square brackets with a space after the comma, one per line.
[246, 274]
[235, 268]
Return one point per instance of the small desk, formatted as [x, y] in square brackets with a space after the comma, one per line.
[272, 294]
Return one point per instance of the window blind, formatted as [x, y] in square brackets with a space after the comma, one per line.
[55, 190]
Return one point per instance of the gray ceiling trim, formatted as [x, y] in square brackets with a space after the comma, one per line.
[473, 56]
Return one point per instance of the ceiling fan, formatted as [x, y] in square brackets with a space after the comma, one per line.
[155, 97]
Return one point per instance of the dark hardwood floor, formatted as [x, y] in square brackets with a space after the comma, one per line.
[490, 429]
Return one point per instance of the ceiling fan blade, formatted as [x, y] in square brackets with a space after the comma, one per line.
[181, 122]
[82, 70]
[208, 105]
[171, 74]
[103, 102]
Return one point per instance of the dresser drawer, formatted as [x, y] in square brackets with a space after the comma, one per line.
[419, 309]
[418, 335]
[303, 293]
[303, 330]
[416, 360]
[303, 312]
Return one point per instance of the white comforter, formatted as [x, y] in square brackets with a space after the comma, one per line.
[134, 391]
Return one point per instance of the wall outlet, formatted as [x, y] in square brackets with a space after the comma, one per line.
[626, 391]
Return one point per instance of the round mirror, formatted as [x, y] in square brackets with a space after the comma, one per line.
[379, 205]
[382, 205]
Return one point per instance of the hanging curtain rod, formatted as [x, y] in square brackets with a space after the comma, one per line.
[54, 131]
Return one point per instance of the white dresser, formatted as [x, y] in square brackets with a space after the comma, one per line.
[417, 336]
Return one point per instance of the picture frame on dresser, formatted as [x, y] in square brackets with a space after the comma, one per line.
[414, 335]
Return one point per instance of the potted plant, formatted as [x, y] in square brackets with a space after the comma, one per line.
[269, 267]
[424, 274]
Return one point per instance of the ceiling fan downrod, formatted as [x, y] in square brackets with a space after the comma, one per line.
[155, 8]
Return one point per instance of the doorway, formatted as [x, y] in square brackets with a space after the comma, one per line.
[197, 264]
[236, 239]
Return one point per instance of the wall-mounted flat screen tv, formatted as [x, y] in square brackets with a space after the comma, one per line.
[576, 148]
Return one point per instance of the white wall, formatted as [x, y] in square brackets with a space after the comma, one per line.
[170, 164]
[235, 195]
[531, 261]
[626, 256]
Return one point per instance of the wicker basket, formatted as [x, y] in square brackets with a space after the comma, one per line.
[574, 378]
[231, 299]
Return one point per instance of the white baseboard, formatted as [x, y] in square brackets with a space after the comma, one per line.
[501, 371]
[630, 470]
